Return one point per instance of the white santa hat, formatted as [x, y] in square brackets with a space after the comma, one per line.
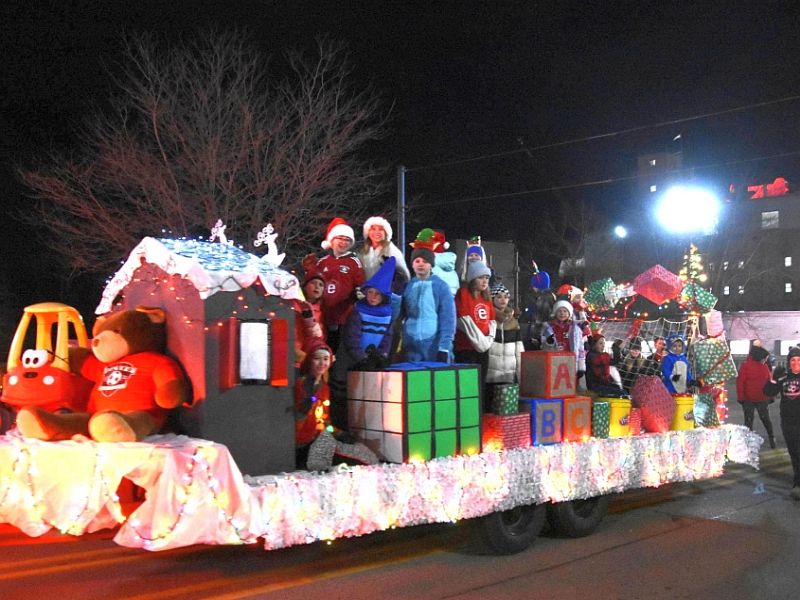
[562, 304]
[337, 227]
[378, 221]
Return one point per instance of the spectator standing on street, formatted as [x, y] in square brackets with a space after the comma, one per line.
[753, 376]
[788, 385]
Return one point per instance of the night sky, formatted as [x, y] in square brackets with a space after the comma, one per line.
[463, 79]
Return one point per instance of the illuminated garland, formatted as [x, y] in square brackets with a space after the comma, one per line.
[301, 508]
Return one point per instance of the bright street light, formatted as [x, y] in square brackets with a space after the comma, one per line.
[620, 231]
[688, 210]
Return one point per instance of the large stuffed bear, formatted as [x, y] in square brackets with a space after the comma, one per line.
[135, 384]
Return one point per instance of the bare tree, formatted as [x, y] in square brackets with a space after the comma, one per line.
[199, 131]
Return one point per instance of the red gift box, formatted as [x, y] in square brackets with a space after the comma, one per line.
[656, 403]
[657, 284]
[506, 431]
[636, 421]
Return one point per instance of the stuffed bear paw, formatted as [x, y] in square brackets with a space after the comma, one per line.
[111, 426]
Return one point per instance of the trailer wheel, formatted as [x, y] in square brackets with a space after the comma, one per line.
[511, 531]
[577, 518]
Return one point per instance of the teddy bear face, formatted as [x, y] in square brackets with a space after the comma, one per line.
[128, 332]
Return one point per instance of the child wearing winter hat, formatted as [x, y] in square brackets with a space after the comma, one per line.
[317, 440]
[598, 369]
[476, 323]
[428, 311]
[787, 384]
[676, 372]
[505, 352]
[342, 274]
[308, 315]
[377, 248]
[564, 334]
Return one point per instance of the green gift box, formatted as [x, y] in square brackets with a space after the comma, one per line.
[697, 298]
[596, 293]
[712, 360]
[414, 411]
[505, 399]
[705, 411]
[601, 419]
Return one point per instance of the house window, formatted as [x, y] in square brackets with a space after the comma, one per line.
[726, 291]
[653, 188]
[787, 261]
[724, 265]
[786, 344]
[741, 289]
[787, 287]
[741, 264]
[770, 219]
[254, 347]
[740, 347]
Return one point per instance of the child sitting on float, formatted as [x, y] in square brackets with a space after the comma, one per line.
[316, 439]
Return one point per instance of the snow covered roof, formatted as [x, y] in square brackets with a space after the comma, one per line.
[211, 267]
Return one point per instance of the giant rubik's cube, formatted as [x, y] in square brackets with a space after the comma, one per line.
[416, 411]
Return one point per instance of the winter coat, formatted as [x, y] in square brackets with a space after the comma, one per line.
[445, 269]
[753, 376]
[567, 337]
[505, 353]
[430, 319]
[342, 275]
[373, 258]
[668, 368]
[476, 326]
[789, 389]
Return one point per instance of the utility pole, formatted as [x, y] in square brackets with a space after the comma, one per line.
[401, 207]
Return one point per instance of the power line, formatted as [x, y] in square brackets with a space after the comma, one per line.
[603, 135]
[603, 181]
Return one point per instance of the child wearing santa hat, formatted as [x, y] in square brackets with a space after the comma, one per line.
[342, 273]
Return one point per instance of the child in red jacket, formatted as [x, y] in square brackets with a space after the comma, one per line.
[753, 375]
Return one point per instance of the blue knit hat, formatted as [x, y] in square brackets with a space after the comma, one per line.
[382, 280]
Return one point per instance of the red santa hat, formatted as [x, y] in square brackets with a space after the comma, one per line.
[378, 221]
[337, 227]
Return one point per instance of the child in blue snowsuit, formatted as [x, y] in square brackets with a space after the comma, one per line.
[675, 369]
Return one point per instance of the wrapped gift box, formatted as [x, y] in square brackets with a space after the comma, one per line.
[547, 374]
[505, 399]
[601, 412]
[712, 360]
[545, 415]
[656, 403]
[416, 411]
[595, 294]
[577, 418]
[657, 284]
[636, 421]
[619, 416]
[705, 411]
[697, 298]
[506, 431]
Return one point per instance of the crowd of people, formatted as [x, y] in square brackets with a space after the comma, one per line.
[366, 308]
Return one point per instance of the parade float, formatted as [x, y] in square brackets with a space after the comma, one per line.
[546, 450]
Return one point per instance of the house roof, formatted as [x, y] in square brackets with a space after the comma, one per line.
[210, 266]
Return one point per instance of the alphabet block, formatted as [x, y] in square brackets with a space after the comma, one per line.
[577, 418]
[545, 414]
[547, 374]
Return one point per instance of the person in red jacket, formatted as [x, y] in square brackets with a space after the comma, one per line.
[753, 375]
[342, 273]
[475, 325]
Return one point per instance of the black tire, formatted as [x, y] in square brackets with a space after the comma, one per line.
[577, 518]
[511, 531]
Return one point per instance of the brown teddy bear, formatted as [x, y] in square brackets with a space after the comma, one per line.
[135, 384]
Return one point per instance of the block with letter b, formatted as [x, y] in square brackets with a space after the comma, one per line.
[547, 374]
[545, 414]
